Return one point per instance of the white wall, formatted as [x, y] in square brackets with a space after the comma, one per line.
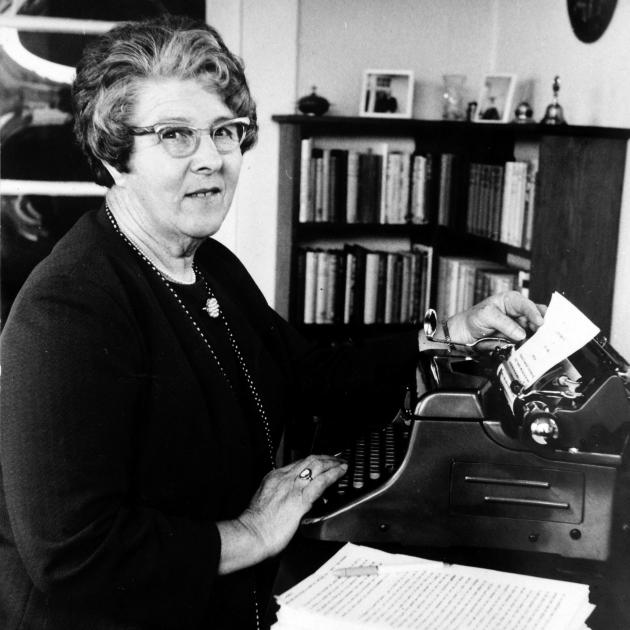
[290, 45]
[339, 39]
[264, 34]
[532, 38]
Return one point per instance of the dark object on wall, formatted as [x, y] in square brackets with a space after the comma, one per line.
[313, 104]
[471, 110]
[523, 113]
[554, 114]
[590, 18]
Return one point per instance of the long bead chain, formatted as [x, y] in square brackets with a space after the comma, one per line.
[244, 369]
[233, 343]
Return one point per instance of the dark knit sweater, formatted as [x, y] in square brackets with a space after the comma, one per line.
[122, 443]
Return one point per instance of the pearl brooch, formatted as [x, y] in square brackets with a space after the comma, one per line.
[212, 307]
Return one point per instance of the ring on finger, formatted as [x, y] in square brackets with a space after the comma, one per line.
[307, 474]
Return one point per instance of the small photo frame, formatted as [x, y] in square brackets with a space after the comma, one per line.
[387, 93]
[495, 100]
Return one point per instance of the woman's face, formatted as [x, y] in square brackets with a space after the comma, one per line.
[181, 198]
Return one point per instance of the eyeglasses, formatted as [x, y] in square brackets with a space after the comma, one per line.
[183, 140]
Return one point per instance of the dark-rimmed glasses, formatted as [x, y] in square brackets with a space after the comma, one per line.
[183, 140]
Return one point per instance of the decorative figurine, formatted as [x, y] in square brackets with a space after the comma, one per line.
[523, 113]
[313, 104]
[384, 101]
[491, 112]
[554, 114]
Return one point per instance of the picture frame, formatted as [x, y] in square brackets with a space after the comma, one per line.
[387, 93]
[496, 98]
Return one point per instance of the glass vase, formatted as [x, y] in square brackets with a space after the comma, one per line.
[453, 97]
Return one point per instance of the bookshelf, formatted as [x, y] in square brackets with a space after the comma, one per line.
[577, 189]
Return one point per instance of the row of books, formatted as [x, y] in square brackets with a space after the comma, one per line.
[384, 186]
[501, 201]
[356, 285]
[463, 282]
[378, 185]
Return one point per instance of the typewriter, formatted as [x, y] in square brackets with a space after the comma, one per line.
[478, 461]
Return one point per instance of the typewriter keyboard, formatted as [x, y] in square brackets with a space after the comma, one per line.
[372, 459]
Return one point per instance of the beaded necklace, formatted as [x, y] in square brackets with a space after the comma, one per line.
[214, 311]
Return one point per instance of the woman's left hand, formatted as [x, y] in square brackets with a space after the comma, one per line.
[506, 314]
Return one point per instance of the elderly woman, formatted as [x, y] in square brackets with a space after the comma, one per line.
[145, 380]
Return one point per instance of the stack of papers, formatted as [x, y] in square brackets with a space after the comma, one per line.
[427, 595]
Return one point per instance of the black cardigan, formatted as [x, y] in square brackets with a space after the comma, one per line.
[121, 444]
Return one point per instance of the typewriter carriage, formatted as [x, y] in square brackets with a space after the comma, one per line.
[582, 404]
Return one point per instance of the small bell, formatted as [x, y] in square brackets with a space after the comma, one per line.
[554, 114]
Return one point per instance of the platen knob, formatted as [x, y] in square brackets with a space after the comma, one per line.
[544, 429]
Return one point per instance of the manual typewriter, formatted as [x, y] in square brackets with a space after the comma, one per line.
[476, 462]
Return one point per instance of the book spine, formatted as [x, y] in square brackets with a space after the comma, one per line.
[424, 272]
[388, 192]
[371, 287]
[340, 176]
[508, 185]
[484, 202]
[519, 210]
[340, 287]
[405, 288]
[310, 286]
[349, 288]
[331, 286]
[382, 209]
[443, 198]
[325, 200]
[530, 204]
[297, 310]
[333, 211]
[397, 290]
[495, 226]
[389, 289]
[318, 160]
[415, 296]
[419, 184]
[370, 165]
[359, 285]
[478, 290]
[321, 282]
[443, 286]
[352, 187]
[470, 205]
[405, 188]
[381, 288]
[432, 187]
[306, 191]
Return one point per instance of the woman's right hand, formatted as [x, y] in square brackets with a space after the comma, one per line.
[274, 514]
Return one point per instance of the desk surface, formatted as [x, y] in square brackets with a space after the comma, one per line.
[610, 584]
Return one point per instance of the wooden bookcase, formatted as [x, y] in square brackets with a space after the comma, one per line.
[578, 200]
